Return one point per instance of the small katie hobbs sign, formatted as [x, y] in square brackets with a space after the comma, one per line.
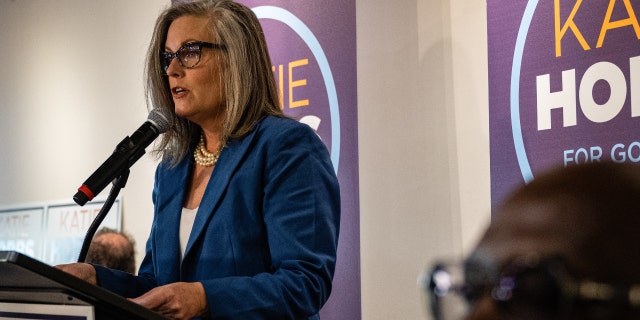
[52, 232]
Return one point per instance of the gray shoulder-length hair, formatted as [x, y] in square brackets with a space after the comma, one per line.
[249, 84]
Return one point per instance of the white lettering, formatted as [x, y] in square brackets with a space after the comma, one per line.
[610, 73]
[581, 155]
[634, 84]
[630, 153]
[25, 246]
[568, 97]
[618, 156]
[564, 99]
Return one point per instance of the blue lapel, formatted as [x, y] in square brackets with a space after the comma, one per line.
[169, 202]
[229, 160]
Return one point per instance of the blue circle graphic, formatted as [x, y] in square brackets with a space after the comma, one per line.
[282, 15]
[516, 129]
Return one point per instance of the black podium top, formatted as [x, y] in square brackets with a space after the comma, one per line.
[27, 280]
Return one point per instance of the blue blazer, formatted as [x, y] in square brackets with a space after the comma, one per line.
[265, 235]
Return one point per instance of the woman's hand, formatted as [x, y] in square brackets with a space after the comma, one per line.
[179, 300]
[83, 271]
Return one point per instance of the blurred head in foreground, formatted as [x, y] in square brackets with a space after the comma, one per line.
[565, 246]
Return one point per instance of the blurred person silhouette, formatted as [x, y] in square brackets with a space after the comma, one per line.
[113, 249]
[565, 246]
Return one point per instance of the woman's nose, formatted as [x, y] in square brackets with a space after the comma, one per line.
[174, 69]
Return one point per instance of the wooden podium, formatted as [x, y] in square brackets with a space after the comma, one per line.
[29, 282]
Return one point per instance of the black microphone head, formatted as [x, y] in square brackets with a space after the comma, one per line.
[159, 120]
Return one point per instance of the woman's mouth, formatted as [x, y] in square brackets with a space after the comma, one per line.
[178, 91]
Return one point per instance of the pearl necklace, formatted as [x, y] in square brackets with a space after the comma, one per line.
[204, 157]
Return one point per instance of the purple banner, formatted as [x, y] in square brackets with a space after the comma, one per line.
[313, 52]
[564, 86]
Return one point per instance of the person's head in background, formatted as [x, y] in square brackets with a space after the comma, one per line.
[112, 249]
[565, 246]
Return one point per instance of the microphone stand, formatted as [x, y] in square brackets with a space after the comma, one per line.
[118, 184]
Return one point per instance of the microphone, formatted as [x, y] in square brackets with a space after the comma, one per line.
[127, 152]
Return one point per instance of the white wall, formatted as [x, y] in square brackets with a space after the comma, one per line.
[424, 143]
[71, 89]
[66, 100]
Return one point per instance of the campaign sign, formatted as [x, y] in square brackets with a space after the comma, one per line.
[312, 45]
[53, 232]
[564, 86]
[67, 226]
[21, 230]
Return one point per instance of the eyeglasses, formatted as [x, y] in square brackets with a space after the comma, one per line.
[188, 55]
[525, 288]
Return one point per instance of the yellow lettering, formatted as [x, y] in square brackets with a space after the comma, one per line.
[297, 83]
[569, 24]
[280, 84]
[608, 24]
[281, 80]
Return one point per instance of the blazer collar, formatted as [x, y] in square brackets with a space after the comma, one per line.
[229, 160]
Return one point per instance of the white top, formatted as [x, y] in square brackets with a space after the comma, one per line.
[187, 218]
